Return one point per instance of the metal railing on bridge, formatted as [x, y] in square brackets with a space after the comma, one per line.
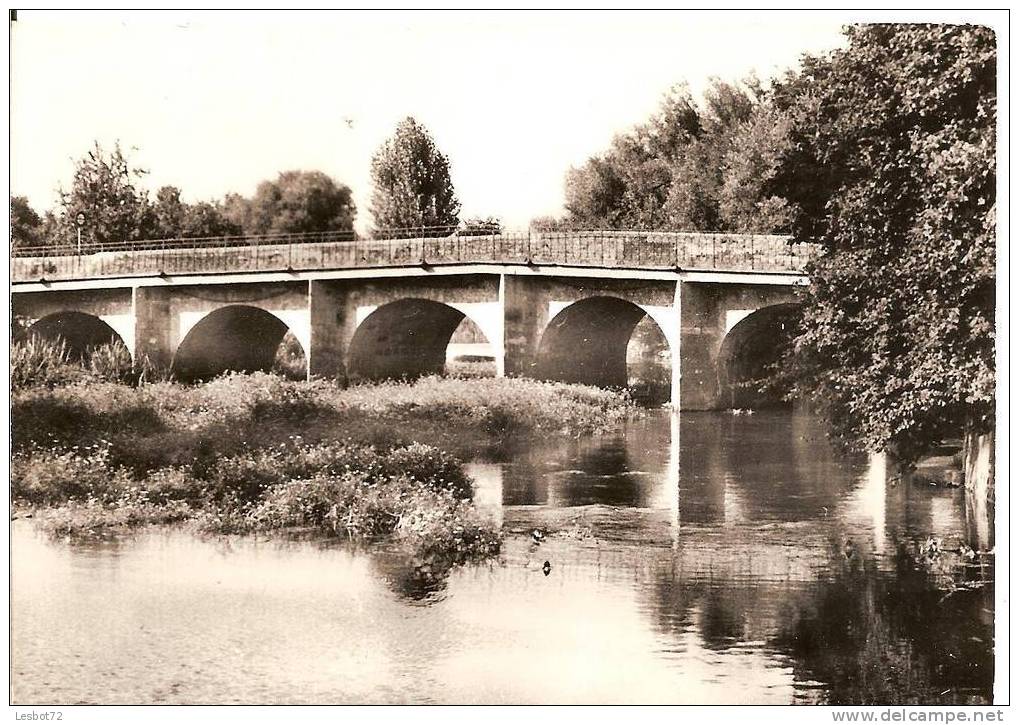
[427, 246]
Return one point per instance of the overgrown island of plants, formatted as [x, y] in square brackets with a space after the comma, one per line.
[97, 451]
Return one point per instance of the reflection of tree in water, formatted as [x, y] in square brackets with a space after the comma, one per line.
[725, 613]
[865, 636]
[783, 471]
[891, 639]
[674, 601]
[416, 579]
[771, 465]
[725, 616]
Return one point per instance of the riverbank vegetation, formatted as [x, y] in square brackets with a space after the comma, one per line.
[256, 452]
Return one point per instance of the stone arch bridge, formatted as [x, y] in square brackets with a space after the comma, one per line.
[551, 305]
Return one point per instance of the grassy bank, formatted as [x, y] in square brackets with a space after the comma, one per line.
[256, 452]
[167, 423]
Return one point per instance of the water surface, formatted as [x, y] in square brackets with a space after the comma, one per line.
[702, 558]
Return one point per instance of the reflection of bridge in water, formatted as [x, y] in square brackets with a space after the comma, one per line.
[764, 494]
[553, 305]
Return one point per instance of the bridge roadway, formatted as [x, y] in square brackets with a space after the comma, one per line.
[551, 305]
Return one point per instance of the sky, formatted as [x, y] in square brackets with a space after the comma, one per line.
[215, 103]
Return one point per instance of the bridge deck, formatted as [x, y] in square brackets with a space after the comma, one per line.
[335, 250]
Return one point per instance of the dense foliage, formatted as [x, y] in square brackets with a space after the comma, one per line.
[692, 166]
[172, 218]
[884, 153]
[296, 201]
[891, 166]
[40, 362]
[26, 224]
[411, 182]
[104, 200]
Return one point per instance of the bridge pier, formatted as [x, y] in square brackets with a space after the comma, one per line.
[524, 318]
[676, 398]
[154, 344]
[332, 326]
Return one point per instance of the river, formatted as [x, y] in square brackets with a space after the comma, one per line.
[702, 558]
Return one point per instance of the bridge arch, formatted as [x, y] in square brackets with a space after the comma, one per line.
[79, 331]
[588, 340]
[239, 338]
[407, 338]
[749, 352]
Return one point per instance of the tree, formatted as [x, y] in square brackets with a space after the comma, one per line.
[104, 192]
[296, 201]
[594, 194]
[411, 182]
[727, 105]
[691, 202]
[896, 134]
[480, 226]
[237, 211]
[49, 233]
[174, 219]
[698, 175]
[207, 219]
[627, 186]
[666, 173]
[169, 212]
[752, 161]
[548, 223]
[26, 225]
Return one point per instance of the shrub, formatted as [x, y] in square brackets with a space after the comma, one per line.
[167, 485]
[51, 476]
[111, 362]
[435, 469]
[289, 405]
[471, 366]
[245, 477]
[91, 517]
[290, 361]
[248, 474]
[36, 361]
[452, 530]
[40, 362]
[503, 404]
[79, 415]
[310, 502]
[354, 505]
